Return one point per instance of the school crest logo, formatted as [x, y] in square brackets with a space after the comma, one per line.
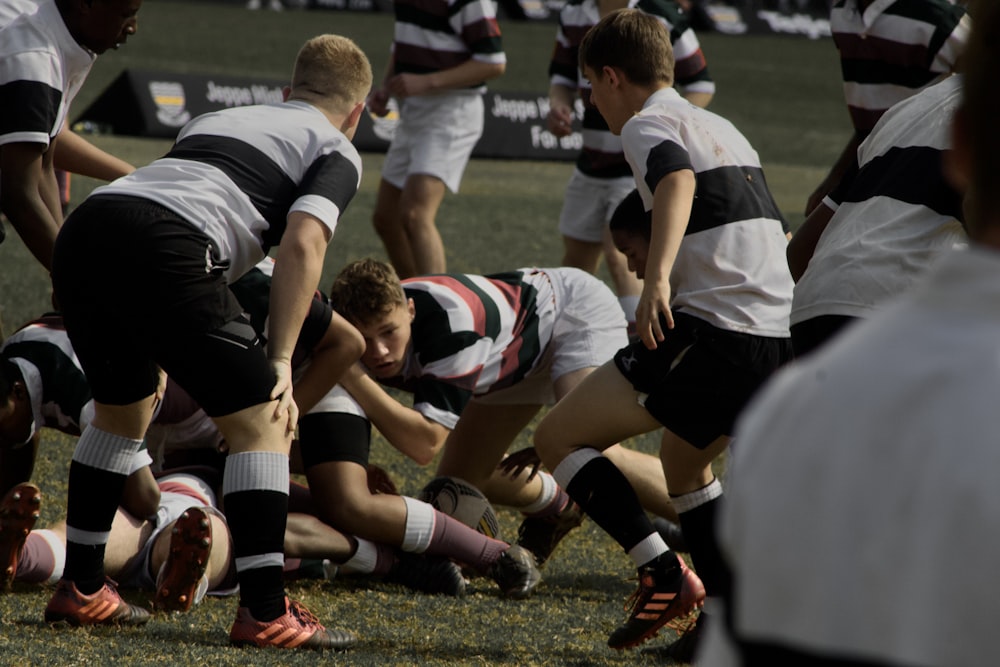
[168, 96]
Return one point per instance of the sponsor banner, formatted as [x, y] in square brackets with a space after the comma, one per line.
[157, 104]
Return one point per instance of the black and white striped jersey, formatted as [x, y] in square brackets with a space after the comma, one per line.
[730, 270]
[236, 174]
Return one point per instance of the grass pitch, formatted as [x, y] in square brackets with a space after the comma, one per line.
[784, 93]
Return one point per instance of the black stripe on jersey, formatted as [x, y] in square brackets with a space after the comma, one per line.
[670, 11]
[332, 176]
[912, 175]
[526, 328]
[28, 106]
[913, 75]
[730, 194]
[63, 382]
[491, 326]
[665, 158]
[436, 392]
[271, 190]
[944, 15]
[415, 15]
[431, 331]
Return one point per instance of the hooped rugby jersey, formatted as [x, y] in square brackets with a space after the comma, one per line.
[58, 389]
[894, 48]
[730, 269]
[473, 335]
[430, 35]
[236, 174]
[42, 68]
[894, 218]
[602, 151]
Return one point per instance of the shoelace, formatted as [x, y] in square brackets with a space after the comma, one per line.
[305, 616]
[636, 596]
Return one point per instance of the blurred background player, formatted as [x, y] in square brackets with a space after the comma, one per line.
[442, 55]
[889, 50]
[908, 479]
[602, 177]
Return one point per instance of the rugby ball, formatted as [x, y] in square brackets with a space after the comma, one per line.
[464, 502]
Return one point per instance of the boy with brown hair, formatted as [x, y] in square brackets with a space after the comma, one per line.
[235, 183]
[481, 355]
[712, 318]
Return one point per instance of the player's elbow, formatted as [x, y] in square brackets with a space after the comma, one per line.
[493, 70]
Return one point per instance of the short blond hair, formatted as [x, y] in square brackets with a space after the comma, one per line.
[366, 290]
[332, 71]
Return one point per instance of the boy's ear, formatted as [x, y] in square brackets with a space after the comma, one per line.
[613, 75]
[411, 308]
[354, 117]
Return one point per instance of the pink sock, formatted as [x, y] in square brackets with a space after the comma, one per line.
[454, 539]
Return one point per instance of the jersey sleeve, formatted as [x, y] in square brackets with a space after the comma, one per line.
[475, 21]
[564, 64]
[328, 187]
[654, 150]
[439, 401]
[30, 98]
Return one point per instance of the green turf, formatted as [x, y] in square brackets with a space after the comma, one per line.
[784, 93]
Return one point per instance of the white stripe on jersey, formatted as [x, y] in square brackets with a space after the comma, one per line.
[292, 135]
[461, 318]
[414, 35]
[37, 46]
[733, 275]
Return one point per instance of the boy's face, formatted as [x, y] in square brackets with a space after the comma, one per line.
[635, 248]
[387, 339]
[107, 24]
[606, 97]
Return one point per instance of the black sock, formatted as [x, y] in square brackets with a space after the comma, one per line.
[698, 525]
[603, 492]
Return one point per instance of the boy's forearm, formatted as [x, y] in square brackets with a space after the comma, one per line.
[406, 429]
[340, 348]
[465, 75]
[672, 203]
[75, 154]
[296, 276]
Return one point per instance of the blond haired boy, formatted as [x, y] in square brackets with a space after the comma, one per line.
[712, 318]
[168, 239]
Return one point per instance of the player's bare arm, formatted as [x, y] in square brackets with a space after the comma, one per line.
[419, 438]
[561, 101]
[467, 74]
[75, 154]
[337, 351]
[29, 196]
[296, 276]
[803, 244]
[672, 202]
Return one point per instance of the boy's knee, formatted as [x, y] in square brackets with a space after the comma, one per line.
[548, 444]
